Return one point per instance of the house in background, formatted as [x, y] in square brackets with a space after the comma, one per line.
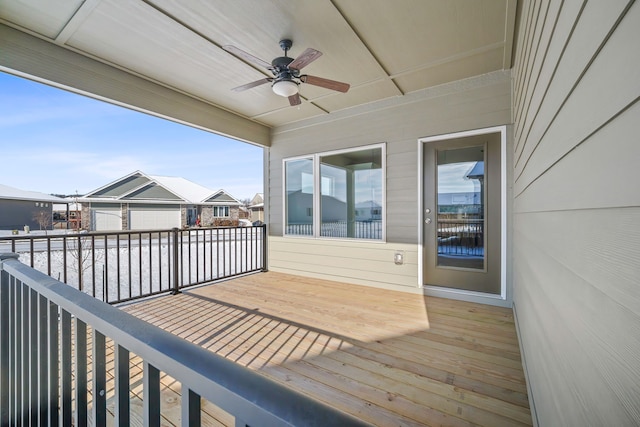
[20, 208]
[67, 215]
[141, 202]
[256, 208]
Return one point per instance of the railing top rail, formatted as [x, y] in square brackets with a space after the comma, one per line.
[237, 389]
[38, 236]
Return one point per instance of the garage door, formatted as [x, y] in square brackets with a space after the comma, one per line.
[153, 217]
[106, 219]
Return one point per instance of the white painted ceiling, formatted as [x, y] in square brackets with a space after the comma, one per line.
[382, 48]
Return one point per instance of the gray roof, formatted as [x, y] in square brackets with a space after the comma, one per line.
[139, 187]
[12, 193]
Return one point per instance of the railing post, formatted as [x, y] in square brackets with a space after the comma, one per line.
[4, 341]
[264, 248]
[80, 263]
[176, 257]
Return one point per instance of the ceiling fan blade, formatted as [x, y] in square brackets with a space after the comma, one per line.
[239, 53]
[326, 83]
[305, 58]
[294, 100]
[252, 84]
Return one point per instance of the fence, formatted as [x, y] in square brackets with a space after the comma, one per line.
[48, 330]
[461, 237]
[120, 266]
[340, 229]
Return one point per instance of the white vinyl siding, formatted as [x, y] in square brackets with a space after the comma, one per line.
[576, 234]
[153, 217]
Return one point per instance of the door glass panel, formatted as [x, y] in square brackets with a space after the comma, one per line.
[461, 208]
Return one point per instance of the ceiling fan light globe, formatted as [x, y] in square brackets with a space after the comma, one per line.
[285, 88]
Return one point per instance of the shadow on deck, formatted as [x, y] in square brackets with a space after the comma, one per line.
[389, 358]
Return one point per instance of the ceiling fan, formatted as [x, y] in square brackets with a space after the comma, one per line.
[286, 72]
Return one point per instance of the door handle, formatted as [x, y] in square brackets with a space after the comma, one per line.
[427, 221]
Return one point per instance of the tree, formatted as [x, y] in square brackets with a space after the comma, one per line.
[43, 218]
[82, 250]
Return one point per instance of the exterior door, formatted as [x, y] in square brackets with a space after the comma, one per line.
[462, 213]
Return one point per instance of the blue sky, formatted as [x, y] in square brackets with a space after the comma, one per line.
[54, 141]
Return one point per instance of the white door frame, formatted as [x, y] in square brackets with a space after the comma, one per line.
[505, 297]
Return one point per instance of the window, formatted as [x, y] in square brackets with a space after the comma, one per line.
[349, 198]
[299, 196]
[220, 211]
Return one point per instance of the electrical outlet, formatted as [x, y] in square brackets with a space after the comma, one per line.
[398, 257]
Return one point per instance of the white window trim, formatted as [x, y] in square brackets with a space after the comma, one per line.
[316, 191]
[217, 209]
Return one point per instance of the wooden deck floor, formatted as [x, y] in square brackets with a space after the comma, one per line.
[390, 358]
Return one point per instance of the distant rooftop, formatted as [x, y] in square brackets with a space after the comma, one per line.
[12, 193]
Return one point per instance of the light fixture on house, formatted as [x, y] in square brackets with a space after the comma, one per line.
[285, 88]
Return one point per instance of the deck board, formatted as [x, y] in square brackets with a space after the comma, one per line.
[390, 358]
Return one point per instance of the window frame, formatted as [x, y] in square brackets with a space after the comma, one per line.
[226, 208]
[317, 180]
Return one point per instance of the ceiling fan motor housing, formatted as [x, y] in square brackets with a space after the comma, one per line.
[281, 68]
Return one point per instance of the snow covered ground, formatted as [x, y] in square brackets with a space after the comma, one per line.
[119, 270]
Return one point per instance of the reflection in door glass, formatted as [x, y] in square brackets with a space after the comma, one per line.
[461, 213]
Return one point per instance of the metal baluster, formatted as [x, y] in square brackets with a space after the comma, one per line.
[129, 264]
[65, 368]
[93, 265]
[105, 275]
[54, 365]
[122, 386]
[197, 257]
[159, 261]
[18, 397]
[150, 263]
[217, 253]
[140, 262]
[151, 390]
[64, 258]
[191, 415]
[33, 356]
[99, 380]
[81, 373]
[43, 350]
[118, 266]
[5, 344]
